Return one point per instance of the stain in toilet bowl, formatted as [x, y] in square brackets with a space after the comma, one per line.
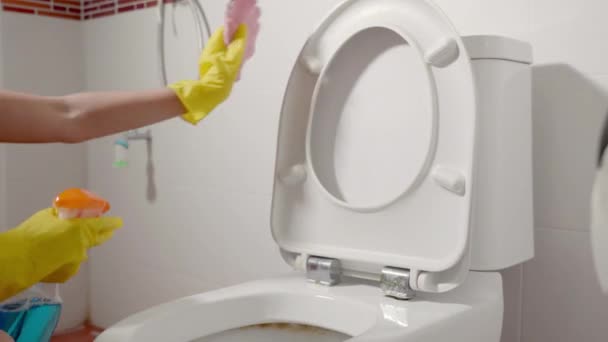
[291, 332]
[292, 327]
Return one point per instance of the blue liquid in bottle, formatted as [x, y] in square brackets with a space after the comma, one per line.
[30, 320]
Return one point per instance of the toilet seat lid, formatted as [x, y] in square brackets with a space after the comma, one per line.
[421, 221]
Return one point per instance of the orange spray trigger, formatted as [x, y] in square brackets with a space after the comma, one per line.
[79, 203]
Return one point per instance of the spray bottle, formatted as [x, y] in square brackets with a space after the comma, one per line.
[33, 315]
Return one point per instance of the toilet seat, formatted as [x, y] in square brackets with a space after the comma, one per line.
[425, 228]
[351, 309]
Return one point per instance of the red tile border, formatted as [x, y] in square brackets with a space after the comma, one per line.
[59, 15]
[126, 8]
[18, 10]
[68, 2]
[77, 9]
[106, 6]
[27, 4]
[102, 14]
[85, 334]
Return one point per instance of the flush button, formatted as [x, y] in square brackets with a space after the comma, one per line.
[450, 180]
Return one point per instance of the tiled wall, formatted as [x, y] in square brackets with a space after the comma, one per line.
[76, 9]
[100, 8]
[184, 241]
[562, 300]
[209, 226]
[67, 9]
[32, 175]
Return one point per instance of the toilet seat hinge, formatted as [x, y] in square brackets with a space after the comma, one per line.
[395, 282]
[323, 271]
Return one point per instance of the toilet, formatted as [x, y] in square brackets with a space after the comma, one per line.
[403, 185]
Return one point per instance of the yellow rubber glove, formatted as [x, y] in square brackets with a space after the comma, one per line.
[219, 67]
[45, 248]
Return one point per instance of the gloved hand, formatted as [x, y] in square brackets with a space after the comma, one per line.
[45, 248]
[219, 66]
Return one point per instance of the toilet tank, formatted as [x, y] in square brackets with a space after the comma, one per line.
[503, 219]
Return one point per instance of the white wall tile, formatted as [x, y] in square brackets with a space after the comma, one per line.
[512, 288]
[123, 292]
[562, 298]
[44, 56]
[37, 173]
[74, 294]
[563, 301]
[569, 110]
[210, 240]
[489, 17]
[572, 32]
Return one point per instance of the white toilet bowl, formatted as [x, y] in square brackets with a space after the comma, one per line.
[354, 311]
[449, 121]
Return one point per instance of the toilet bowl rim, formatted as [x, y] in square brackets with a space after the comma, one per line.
[359, 305]
[365, 309]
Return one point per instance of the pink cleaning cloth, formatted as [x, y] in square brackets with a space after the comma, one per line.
[243, 12]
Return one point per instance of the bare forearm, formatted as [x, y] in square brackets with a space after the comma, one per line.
[100, 114]
[79, 117]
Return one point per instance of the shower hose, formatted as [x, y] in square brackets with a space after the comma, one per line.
[202, 26]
